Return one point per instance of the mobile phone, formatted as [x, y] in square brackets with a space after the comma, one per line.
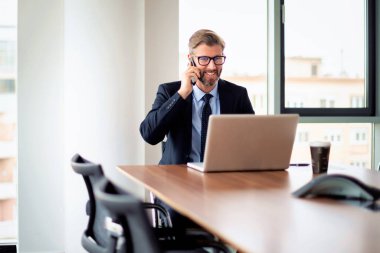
[193, 80]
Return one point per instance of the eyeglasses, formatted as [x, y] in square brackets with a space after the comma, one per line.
[205, 60]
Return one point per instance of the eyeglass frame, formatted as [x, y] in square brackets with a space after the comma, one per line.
[211, 58]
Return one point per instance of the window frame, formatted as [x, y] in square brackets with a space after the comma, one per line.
[370, 78]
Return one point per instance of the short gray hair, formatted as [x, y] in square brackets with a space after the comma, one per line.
[204, 36]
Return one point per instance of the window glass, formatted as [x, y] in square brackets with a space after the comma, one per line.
[313, 64]
[324, 51]
[325, 74]
[350, 143]
[242, 24]
[8, 171]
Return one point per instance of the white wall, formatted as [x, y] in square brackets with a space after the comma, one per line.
[40, 126]
[161, 28]
[104, 94]
[84, 67]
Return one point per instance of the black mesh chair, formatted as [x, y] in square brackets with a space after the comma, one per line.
[93, 239]
[131, 230]
[96, 238]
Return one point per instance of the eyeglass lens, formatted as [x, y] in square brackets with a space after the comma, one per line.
[205, 60]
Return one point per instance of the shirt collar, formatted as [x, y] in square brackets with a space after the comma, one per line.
[198, 94]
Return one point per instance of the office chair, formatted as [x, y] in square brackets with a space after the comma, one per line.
[131, 230]
[95, 238]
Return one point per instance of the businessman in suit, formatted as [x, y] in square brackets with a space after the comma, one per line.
[178, 108]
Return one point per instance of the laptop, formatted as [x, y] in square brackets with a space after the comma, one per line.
[247, 142]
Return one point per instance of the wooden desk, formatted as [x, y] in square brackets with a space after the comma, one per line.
[255, 211]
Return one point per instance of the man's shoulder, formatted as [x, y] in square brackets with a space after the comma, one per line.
[171, 86]
[227, 85]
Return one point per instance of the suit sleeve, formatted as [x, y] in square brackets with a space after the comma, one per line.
[165, 112]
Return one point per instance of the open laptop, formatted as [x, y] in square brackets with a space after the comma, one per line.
[242, 142]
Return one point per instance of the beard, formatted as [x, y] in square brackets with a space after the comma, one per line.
[210, 77]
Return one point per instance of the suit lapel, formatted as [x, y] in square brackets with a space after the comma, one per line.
[188, 119]
[225, 102]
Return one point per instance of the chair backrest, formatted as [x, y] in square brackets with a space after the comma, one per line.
[92, 173]
[128, 211]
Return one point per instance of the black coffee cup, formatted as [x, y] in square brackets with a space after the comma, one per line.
[320, 152]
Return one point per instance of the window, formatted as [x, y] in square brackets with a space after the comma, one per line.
[362, 164]
[357, 101]
[359, 136]
[350, 143]
[8, 166]
[333, 135]
[258, 101]
[310, 84]
[321, 56]
[328, 72]
[7, 86]
[246, 49]
[7, 52]
[314, 70]
[295, 102]
[314, 82]
[302, 137]
[326, 103]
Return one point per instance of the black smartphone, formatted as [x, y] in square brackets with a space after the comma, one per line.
[192, 64]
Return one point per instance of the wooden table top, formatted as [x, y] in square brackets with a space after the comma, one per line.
[255, 211]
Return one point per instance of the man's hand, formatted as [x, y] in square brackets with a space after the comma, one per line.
[189, 77]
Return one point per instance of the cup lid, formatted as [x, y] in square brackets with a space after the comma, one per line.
[320, 144]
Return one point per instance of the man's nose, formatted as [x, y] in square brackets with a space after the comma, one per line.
[211, 65]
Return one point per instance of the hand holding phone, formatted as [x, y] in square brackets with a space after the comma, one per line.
[190, 77]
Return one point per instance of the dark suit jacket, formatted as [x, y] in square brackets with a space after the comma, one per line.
[171, 116]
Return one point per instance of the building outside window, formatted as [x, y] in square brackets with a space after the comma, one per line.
[302, 136]
[359, 164]
[334, 136]
[320, 45]
[359, 136]
[314, 70]
[357, 101]
[325, 68]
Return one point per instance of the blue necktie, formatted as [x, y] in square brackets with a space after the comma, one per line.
[205, 114]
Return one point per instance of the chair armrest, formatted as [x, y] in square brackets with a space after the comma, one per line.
[91, 246]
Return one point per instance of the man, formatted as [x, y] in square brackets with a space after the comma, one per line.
[177, 110]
